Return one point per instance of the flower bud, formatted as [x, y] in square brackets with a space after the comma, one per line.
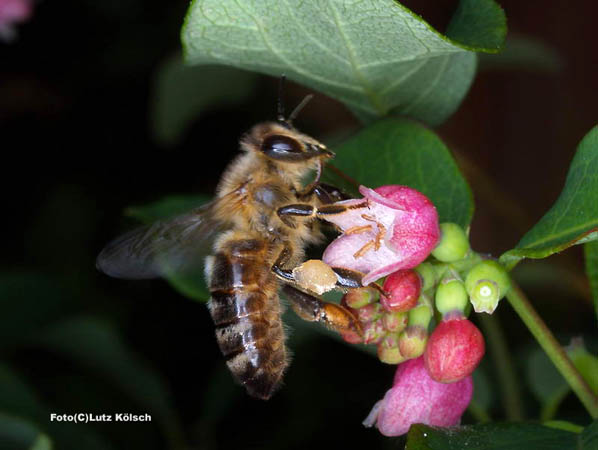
[421, 315]
[370, 312]
[359, 297]
[394, 322]
[451, 297]
[373, 332]
[351, 337]
[416, 398]
[453, 244]
[454, 350]
[427, 274]
[486, 283]
[403, 288]
[412, 341]
[388, 350]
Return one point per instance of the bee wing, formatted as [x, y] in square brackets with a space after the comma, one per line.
[167, 247]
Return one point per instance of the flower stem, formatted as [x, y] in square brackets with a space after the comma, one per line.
[555, 352]
[503, 364]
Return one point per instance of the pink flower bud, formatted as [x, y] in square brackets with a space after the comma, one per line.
[393, 227]
[403, 288]
[454, 350]
[417, 398]
[351, 337]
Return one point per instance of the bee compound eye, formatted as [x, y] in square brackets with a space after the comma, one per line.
[282, 147]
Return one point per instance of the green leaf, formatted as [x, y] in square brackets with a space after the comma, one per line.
[591, 256]
[19, 434]
[193, 287]
[523, 53]
[182, 93]
[573, 219]
[563, 425]
[401, 151]
[584, 362]
[588, 440]
[375, 56]
[546, 383]
[490, 436]
[95, 344]
[478, 25]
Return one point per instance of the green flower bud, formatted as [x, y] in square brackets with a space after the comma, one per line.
[453, 244]
[388, 350]
[420, 316]
[412, 341]
[357, 298]
[373, 332]
[451, 296]
[395, 322]
[427, 274]
[486, 284]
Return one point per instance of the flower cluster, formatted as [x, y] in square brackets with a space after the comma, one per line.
[431, 272]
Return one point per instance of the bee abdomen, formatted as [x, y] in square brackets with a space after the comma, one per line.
[246, 311]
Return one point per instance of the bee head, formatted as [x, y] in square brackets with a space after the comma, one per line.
[289, 145]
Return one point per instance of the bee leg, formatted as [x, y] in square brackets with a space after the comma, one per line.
[312, 308]
[307, 211]
[327, 193]
[348, 279]
[277, 267]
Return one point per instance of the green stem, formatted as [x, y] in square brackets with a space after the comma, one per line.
[555, 352]
[503, 364]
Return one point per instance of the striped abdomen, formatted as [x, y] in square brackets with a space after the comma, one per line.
[246, 311]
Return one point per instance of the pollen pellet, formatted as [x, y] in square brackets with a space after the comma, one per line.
[315, 276]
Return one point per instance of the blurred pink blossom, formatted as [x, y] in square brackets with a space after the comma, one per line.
[396, 228]
[417, 398]
[13, 12]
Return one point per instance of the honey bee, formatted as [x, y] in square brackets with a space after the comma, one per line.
[260, 223]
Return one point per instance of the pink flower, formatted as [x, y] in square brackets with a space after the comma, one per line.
[454, 350]
[396, 228]
[417, 398]
[11, 13]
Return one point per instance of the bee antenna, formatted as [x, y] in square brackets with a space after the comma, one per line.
[280, 104]
[299, 107]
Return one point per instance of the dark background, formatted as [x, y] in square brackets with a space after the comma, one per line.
[76, 94]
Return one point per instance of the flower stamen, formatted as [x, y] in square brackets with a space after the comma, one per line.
[359, 229]
[381, 230]
[363, 250]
